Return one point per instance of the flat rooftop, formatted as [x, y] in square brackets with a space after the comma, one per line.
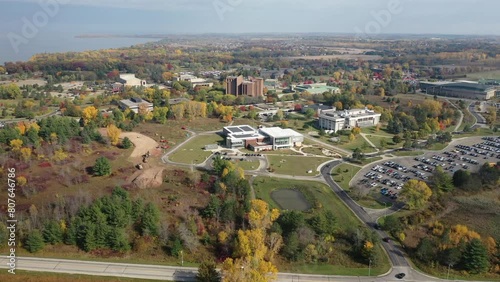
[240, 129]
[278, 132]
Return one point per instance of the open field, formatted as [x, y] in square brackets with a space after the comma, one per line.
[193, 152]
[328, 57]
[295, 165]
[342, 174]
[484, 75]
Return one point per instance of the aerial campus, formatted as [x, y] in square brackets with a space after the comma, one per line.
[253, 157]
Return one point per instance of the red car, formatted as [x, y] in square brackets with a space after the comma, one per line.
[183, 128]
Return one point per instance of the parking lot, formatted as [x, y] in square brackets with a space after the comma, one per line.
[387, 177]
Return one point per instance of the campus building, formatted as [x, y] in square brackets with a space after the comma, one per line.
[339, 120]
[134, 103]
[464, 89]
[315, 89]
[263, 139]
[253, 87]
[129, 79]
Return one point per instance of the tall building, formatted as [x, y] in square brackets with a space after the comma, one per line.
[253, 87]
[339, 120]
[234, 85]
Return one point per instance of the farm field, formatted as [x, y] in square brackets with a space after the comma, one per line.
[193, 151]
[298, 166]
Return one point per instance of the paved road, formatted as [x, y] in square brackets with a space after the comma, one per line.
[172, 273]
[481, 121]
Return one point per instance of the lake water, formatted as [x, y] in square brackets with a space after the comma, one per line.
[54, 43]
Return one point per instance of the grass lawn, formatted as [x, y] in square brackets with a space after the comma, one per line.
[277, 152]
[373, 130]
[247, 165]
[322, 194]
[371, 160]
[291, 165]
[437, 146]
[328, 269]
[23, 276]
[388, 141]
[359, 142]
[318, 191]
[478, 132]
[193, 152]
[407, 153]
[313, 151]
[342, 174]
[484, 75]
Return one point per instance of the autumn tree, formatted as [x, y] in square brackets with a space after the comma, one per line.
[251, 261]
[16, 144]
[89, 114]
[415, 194]
[25, 154]
[113, 134]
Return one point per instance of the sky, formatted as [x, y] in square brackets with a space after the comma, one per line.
[370, 17]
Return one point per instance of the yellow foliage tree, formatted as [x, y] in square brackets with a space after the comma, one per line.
[25, 154]
[59, 155]
[89, 114]
[252, 262]
[459, 233]
[21, 181]
[222, 237]
[415, 194]
[16, 144]
[113, 134]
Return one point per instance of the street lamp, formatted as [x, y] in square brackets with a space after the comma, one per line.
[369, 268]
[182, 258]
[448, 275]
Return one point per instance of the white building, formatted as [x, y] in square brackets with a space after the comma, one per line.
[263, 139]
[282, 138]
[134, 103]
[338, 120]
[129, 79]
[195, 81]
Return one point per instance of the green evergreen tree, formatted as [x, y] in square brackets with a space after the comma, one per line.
[52, 232]
[149, 221]
[207, 272]
[126, 143]
[34, 241]
[475, 257]
[118, 240]
[102, 167]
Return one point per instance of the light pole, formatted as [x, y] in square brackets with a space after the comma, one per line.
[448, 275]
[182, 258]
[369, 268]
